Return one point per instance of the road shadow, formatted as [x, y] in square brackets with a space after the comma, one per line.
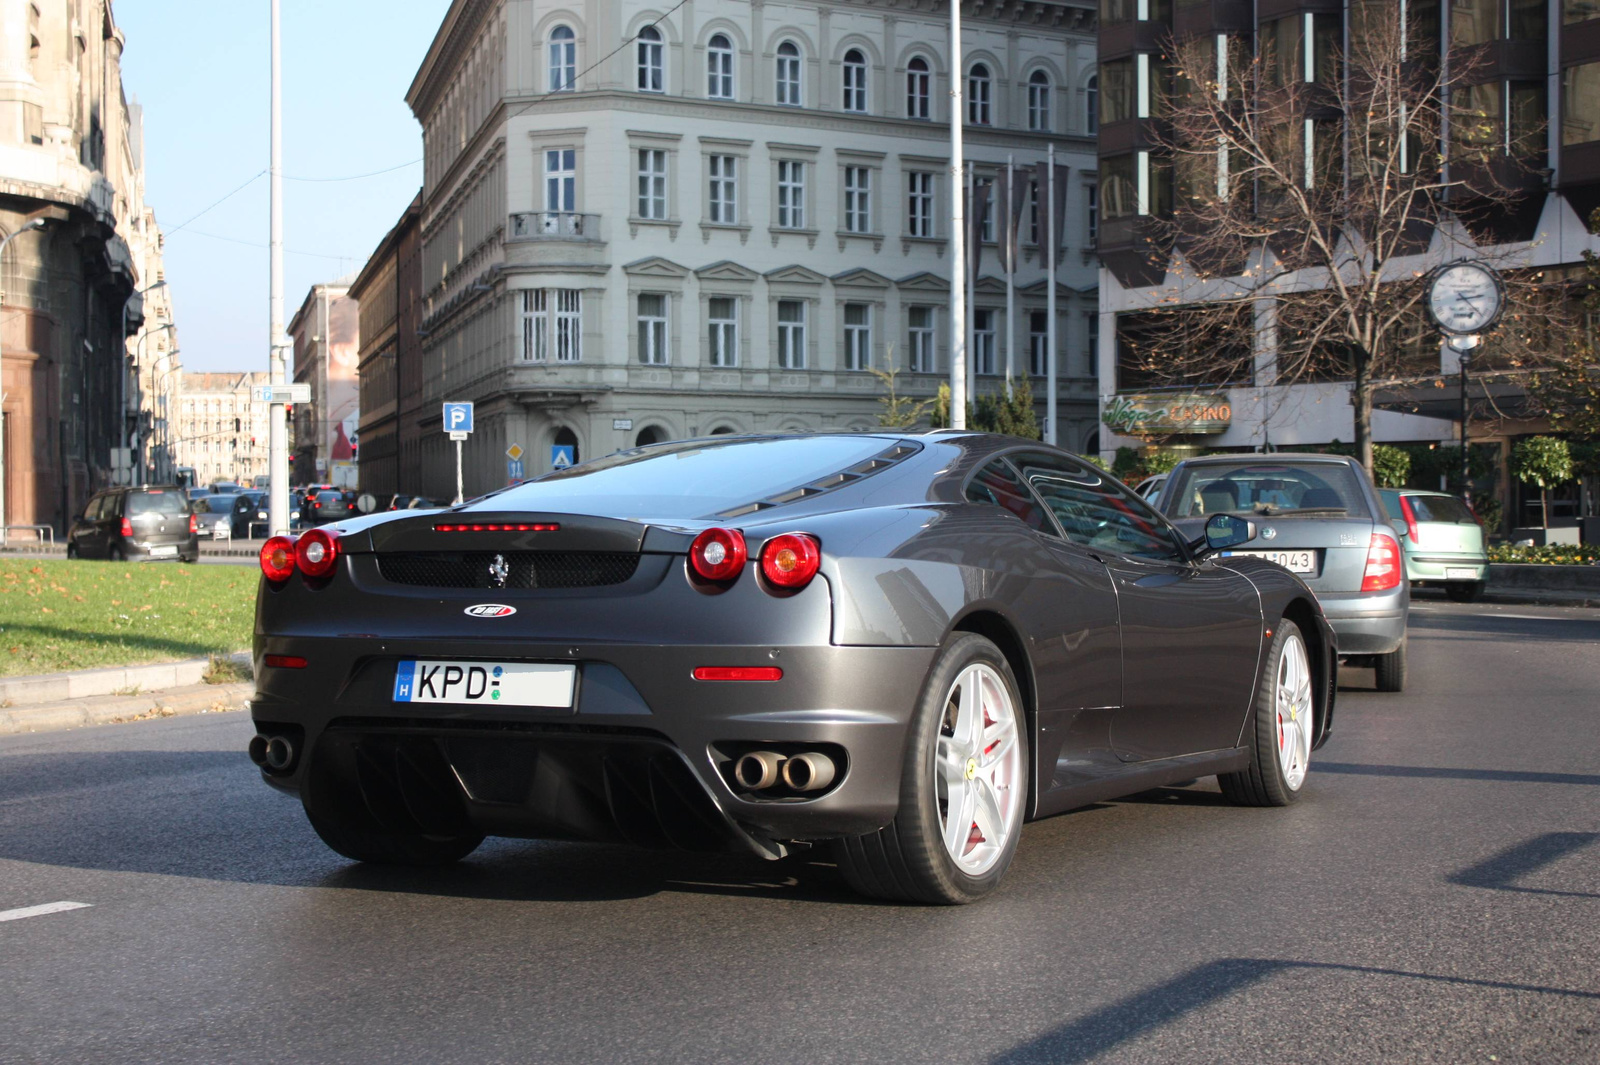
[1176, 797]
[207, 815]
[1500, 872]
[98, 641]
[1514, 776]
[1110, 1026]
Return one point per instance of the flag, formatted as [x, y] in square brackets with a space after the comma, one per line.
[1013, 200]
[977, 210]
[1052, 217]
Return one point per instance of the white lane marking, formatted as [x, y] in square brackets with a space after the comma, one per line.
[40, 911]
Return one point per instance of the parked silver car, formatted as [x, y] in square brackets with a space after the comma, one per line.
[1444, 542]
[214, 516]
[1319, 517]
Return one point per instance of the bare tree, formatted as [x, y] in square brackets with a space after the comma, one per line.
[1312, 185]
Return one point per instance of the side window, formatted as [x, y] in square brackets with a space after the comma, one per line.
[91, 509]
[997, 485]
[1097, 512]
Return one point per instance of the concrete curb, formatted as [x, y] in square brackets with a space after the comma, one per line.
[76, 713]
[127, 680]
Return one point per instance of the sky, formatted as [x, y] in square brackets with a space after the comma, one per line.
[201, 70]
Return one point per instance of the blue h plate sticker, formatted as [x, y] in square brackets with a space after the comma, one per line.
[404, 679]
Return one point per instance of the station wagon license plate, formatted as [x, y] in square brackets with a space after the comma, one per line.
[486, 683]
[1452, 573]
[163, 551]
[1293, 561]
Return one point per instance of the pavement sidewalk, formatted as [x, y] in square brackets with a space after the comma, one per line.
[122, 693]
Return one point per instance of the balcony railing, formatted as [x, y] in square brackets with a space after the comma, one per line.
[554, 225]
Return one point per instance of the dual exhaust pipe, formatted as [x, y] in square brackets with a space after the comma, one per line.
[272, 753]
[761, 770]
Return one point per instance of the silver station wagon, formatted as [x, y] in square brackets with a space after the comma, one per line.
[1320, 517]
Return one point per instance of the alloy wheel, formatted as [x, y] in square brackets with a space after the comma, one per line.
[978, 769]
[1294, 711]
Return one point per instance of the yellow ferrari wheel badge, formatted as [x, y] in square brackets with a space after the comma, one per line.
[972, 768]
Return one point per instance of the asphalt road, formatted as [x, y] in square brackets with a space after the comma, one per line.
[1434, 897]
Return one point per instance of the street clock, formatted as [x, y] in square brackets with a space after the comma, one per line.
[1465, 298]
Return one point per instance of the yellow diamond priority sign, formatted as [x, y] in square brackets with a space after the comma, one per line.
[514, 452]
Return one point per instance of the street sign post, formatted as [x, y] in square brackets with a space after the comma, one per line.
[297, 392]
[458, 423]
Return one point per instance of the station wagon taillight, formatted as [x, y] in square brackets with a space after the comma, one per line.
[1411, 518]
[194, 524]
[127, 527]
[1383, 564]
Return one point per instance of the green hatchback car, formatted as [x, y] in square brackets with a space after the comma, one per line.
[1443, 542]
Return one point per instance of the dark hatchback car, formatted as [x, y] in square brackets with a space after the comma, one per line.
[325, 503]
[900, 645]
[250, 516]
[149, 522]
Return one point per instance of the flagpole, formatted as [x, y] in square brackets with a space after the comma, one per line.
[958, 235]
[972, 282]
[1050, 435]
[1010, 261]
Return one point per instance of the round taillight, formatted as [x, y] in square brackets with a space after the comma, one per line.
[718, 554]
[277, 558]
[791, 560]
[316, 552]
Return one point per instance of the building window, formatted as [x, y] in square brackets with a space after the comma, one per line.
[1579, 10]
[791, 194]
[722, 342]
[920, 340]
[1580, 104]
[1033, 211]
[569, 325]
[652, 322]
[857, 199]
[983, 336]
[1119, 100]
[560, 179]
[724, 176]
[788, 84]
[1091, 332]
[791, 335]
[919, 203]
[1118, 194]
[652, 61]
[1039, 101]
[535, 326]
[857, 336]
[1091, 105]
[979, 112]
[919, 86]
[984, 194]
[653, 184]
[1039, 343]
[719, 68]
[563, 59]
[1092, 221]
[855, 81]
[536, 335]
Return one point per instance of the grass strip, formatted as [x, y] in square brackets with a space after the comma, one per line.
[58, 615]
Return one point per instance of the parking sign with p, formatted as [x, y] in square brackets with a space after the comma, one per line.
[458, 417]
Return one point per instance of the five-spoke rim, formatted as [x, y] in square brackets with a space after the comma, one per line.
[1294, 712]
[978, 769]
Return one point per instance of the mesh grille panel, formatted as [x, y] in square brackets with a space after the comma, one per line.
[525, 569]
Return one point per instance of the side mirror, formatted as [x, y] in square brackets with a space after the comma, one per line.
[1225, 530]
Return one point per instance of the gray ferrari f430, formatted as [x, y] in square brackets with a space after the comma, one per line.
[900, 645]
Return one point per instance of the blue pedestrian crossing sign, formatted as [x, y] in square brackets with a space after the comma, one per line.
[562, 456]
[458, 417]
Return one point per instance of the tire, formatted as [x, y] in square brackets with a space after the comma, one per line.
[1464, 591]
[116, 554]
[1391, 669]
[947, 767]
[1283, 727]
[393, 848]
[72, 550]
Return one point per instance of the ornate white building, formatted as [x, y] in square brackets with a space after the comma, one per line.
[218, 428]
[641, 225]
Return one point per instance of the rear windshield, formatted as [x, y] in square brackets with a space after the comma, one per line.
[156, 502]
[1441, 508]
[689, 481]
[1322, 489]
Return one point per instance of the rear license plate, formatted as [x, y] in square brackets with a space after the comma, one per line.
[485, 683]
[163, 552]
[1453, 573]
[1293, 561]
[221, 532]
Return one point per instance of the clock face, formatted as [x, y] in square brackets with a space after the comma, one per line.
[1464, 299]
